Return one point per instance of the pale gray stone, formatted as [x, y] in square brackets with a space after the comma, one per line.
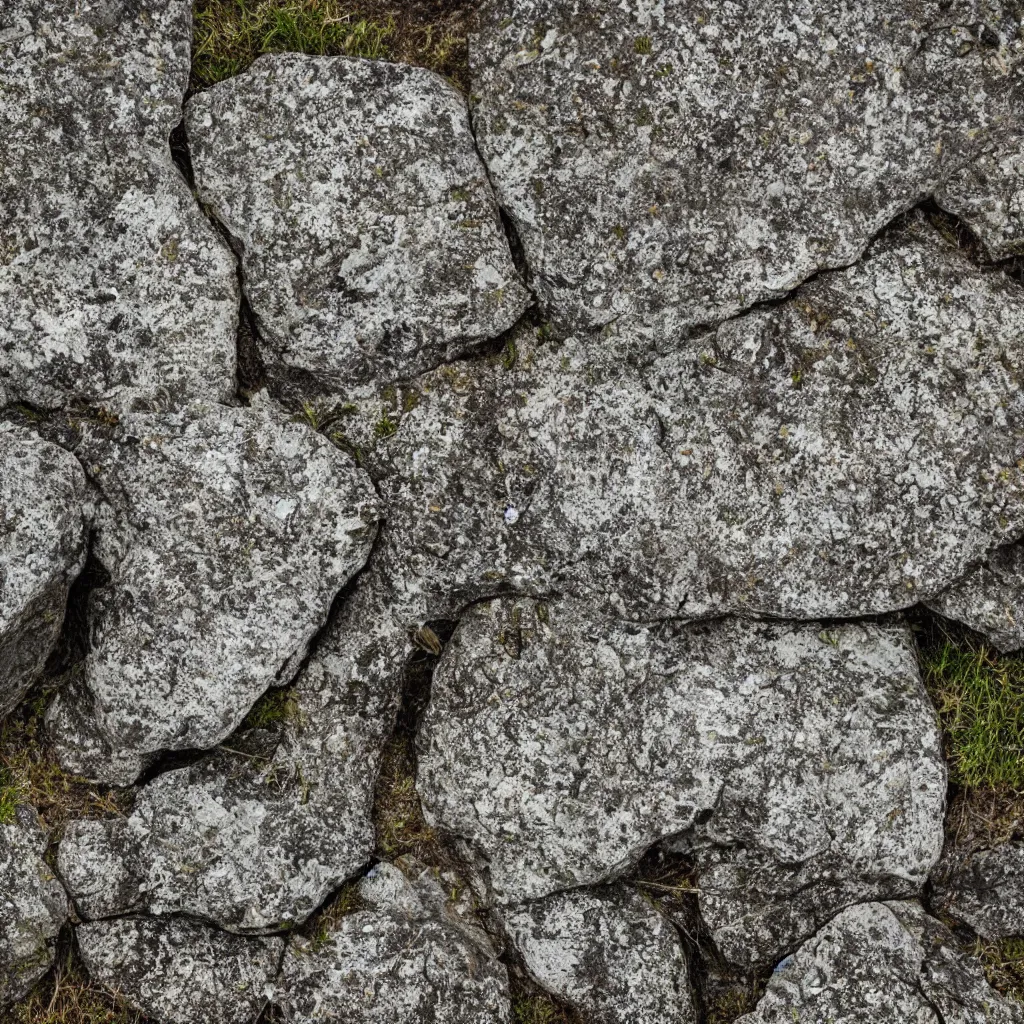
[113, 285]
[370, 240]
[607, 954]
[984, 888]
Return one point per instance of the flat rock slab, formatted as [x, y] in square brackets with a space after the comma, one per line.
[113, 285]
[42, 550]
[227, 533]
[607, 954]
[403, 958]
[562, 747]
[678, 162]
[370, 240]
[888, 963]
[985, 889]
[179, 971]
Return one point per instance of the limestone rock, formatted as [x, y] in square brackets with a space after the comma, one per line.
[227, 533]
[887, 963]
[677, 162]
[42, 550]
[370, 240]
[402, 958]
[113, 285]
[33, 907]
[607, 954]
[984, 888]
[179, 971]
[561, 747]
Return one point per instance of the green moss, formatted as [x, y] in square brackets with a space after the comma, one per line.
[1003, 963]
[385, 426]
[11, 794]
[274, 708]
[537, 1009]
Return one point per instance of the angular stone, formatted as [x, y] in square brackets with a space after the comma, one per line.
[370, 240]
[888, 963]
[984, 888]
[678, 162]
[179, 971]
[403, 958]
[42, 550]
[227, 533]
[561, 747]
[607, 954]
[33, 904]
[113, 285]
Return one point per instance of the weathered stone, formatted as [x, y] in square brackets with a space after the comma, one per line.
[562, 747]
[607, 954]
[888, 963]
[370, 240]
[33, 907]
[984, 888]
[676, 162]
[179, 971]
[990, 598]
[113, 285]
[404, 958]
[42, 549]
[227, 533]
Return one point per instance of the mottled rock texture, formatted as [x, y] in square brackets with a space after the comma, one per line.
[606, 953]
[984, 888]
[178, 971]
[370, 240]
[887, 963]
[675, 163]
[113, 285]
[42, 550]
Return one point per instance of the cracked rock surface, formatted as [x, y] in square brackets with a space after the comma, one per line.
[984, 888]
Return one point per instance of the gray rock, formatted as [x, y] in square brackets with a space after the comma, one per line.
[885, 963]
[179, 971]
[984, 888]
[607, 954]
[561, 747]
[403, 959]
[370, 239]
[227, 533]
[676, 162]
[113, 285]
[42, 549]
[33, 907]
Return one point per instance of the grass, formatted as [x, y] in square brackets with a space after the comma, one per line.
[277, 706]
[401, 828]
[537, 1009]
[1003, 963]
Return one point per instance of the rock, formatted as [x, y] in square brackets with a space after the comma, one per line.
[561, 747]
[227, 533]
[42, 550]
[884, 962]
[402, 958]
[676, 163]
[33, 907]
[179, 971]
[370, 240]
[257, 842]
[114, 287]
[607, 954]
[990, 598]
[984, 888]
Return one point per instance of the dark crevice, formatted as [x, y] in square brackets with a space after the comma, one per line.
[73, 644]
[182, 155]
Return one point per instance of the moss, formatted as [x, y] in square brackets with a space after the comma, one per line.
[1003, 963]
[275, 707]
[397, 814]
[385, 427]
[537, 1009]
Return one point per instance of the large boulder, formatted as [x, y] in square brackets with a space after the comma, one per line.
[561, 747]
[42, 550]
[983, 888]
[371, 244]
[113, 285]
[227, 533]
[678, 162]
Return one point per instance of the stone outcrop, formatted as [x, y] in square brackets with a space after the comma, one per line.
[984, 889]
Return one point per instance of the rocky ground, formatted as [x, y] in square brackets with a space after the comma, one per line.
[538, 543]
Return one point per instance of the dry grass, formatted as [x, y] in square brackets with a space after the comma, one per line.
[67, 996]
[401, 828]
[1003, 963]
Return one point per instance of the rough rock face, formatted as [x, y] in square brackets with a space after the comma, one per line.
[42, 549]
[562, 747]
[113, 285]
[677, 163]
[607, 954]
[33, 907]
[179, 971]
[887, 963]
[370, 240]
[227, 533]
[985, 889]
[403, 958]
